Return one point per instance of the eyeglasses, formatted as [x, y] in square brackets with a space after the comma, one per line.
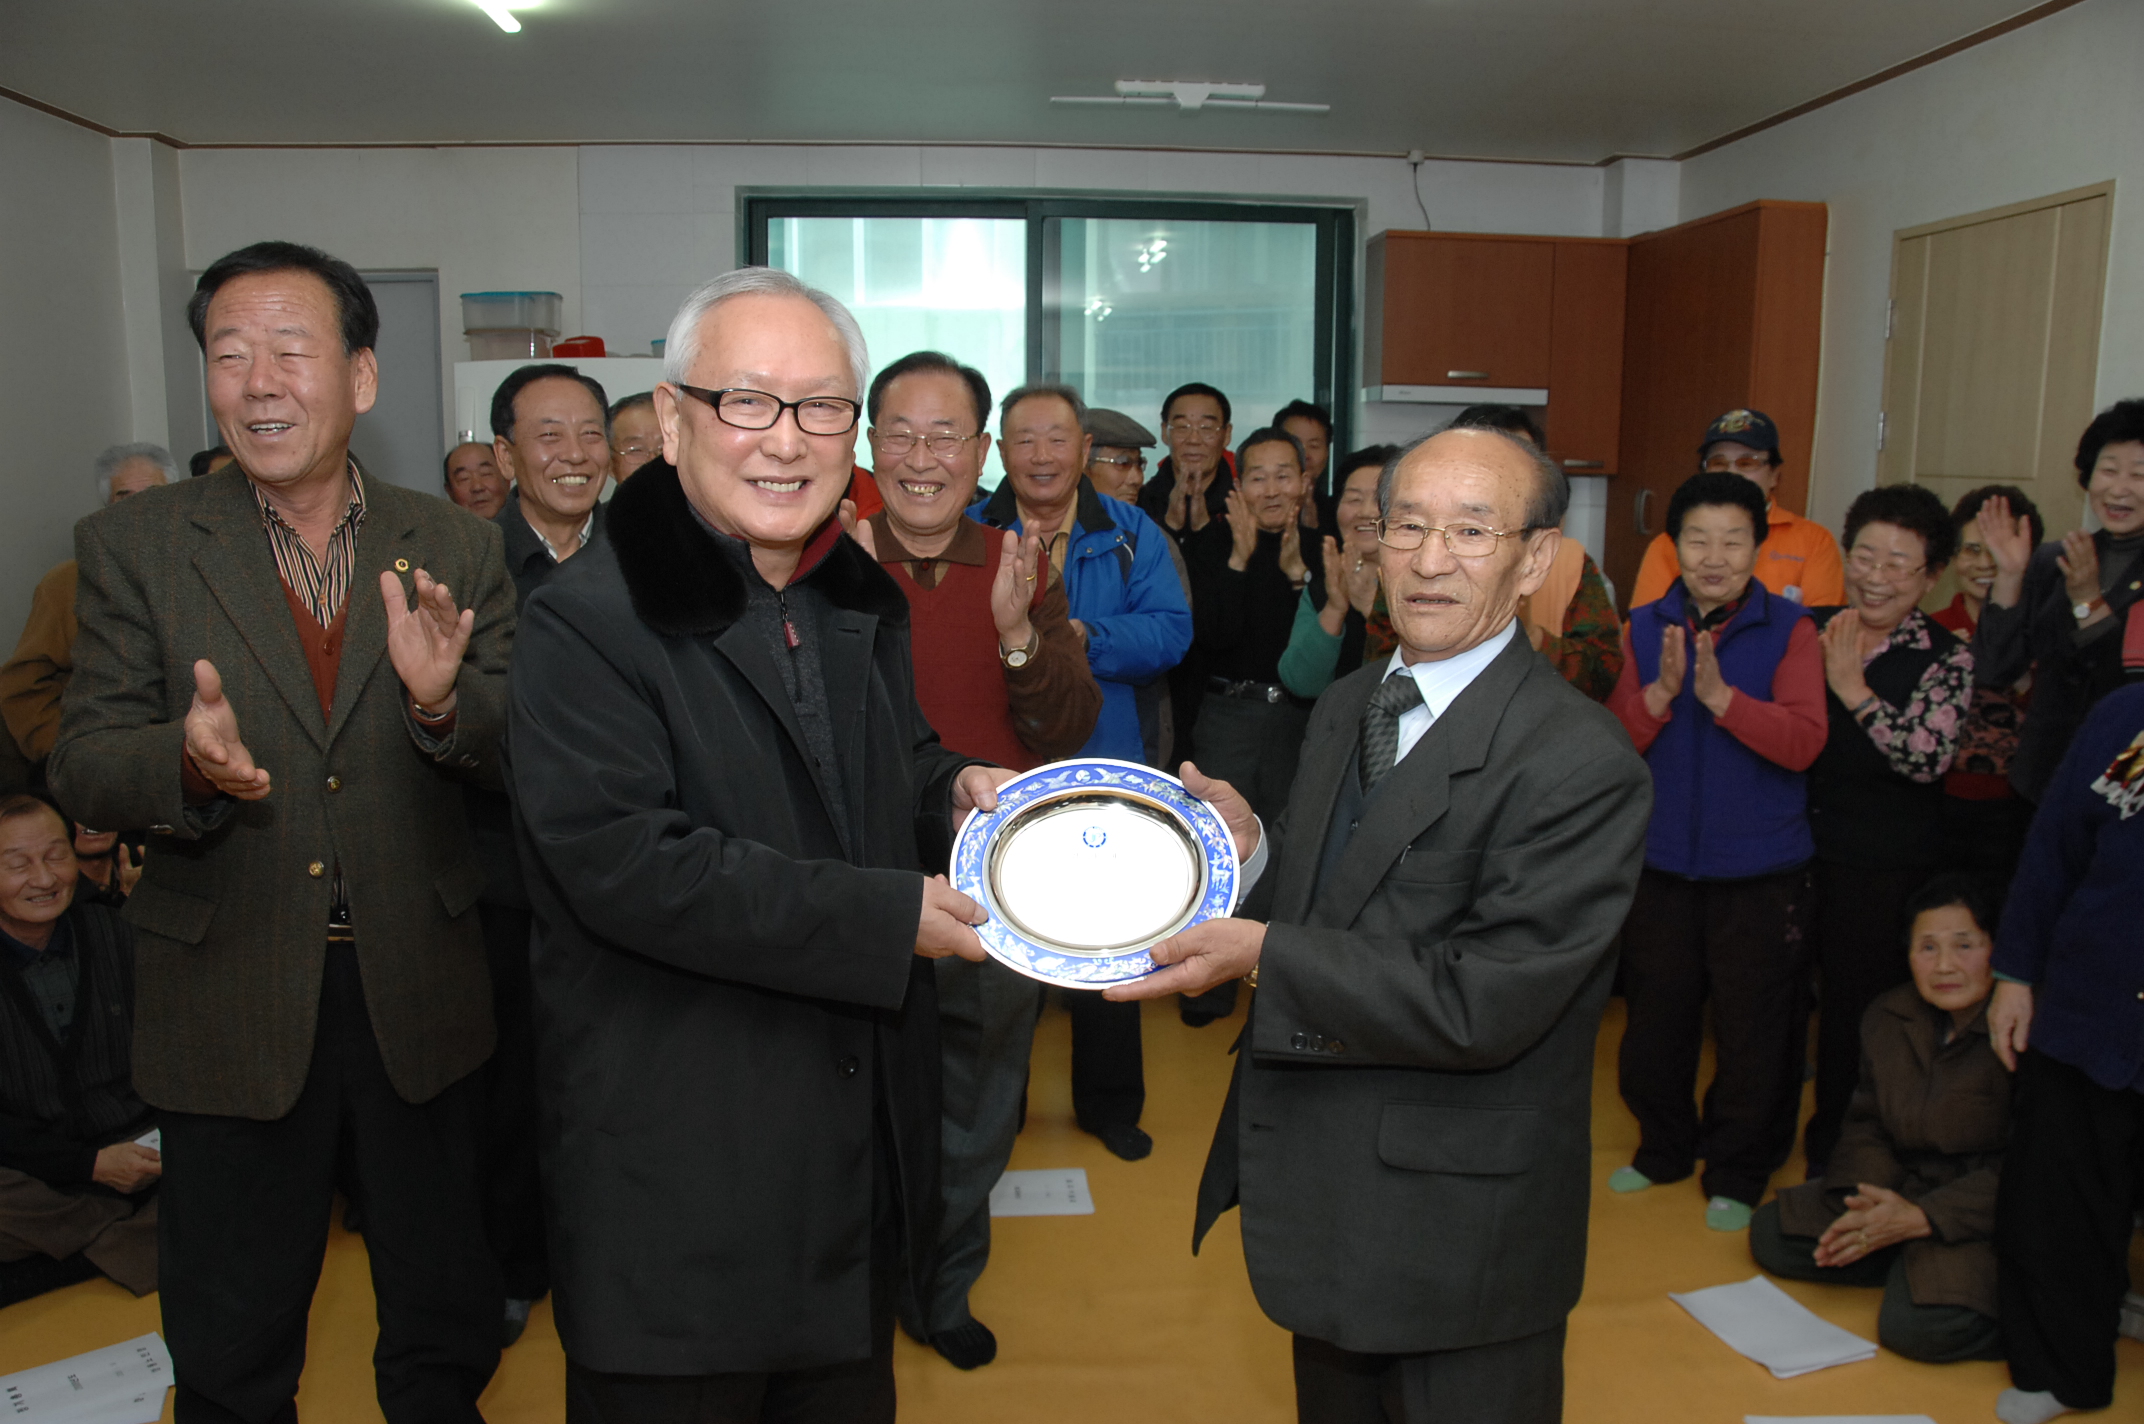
[898, 443]
[1892, 570]
[1137, 462]
[637, 449]
[1204, 429]
[757, 410]
[1466, 541]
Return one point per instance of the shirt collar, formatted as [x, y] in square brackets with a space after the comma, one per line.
[969, 546]
[60, 946]
[544, 539]
[1442, 681]
[353, 513]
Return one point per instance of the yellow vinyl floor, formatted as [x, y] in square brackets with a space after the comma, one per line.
[1108, 1319]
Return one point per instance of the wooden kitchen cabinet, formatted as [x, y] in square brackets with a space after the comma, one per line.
[1585, 374]
[1721, 313]
[1459, 309]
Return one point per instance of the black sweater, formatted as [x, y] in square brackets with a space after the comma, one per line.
[1241, 621]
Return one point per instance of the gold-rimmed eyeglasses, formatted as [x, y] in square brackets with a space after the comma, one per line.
[898, 443]
[758, 410]
[1466, 541]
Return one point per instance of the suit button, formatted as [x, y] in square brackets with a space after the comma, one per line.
[468, 761]
[334, 783]
[1301, 1040]
[316, 870]
[1317, 1042]
[847, 1067]
[160, 829]
[1336, 1046]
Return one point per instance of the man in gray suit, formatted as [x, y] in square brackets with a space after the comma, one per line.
[254, 685]
[1408, 1133]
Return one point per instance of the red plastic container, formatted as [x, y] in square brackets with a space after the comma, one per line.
[585, 346]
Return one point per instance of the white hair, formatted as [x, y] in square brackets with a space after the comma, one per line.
[109, 461]
[682, 347]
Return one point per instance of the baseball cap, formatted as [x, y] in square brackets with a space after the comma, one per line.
[1114, 427]
[1745, 427]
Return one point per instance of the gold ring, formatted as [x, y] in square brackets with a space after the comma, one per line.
[401, 566]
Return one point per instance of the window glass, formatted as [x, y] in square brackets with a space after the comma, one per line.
[1146, 305]
[957, 285]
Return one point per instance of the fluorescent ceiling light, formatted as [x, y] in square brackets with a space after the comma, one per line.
[1189, 96]
[501, 13]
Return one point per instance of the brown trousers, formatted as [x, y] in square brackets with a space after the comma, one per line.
[117, 1234]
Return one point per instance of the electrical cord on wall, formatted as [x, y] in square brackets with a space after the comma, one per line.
[1415, 160]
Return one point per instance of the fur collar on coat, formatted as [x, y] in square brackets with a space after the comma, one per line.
[683, 585]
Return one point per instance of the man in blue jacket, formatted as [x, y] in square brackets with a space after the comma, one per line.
[1128, 607]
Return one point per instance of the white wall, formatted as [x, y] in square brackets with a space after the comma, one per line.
[2053, 106]
[655, 221]
[63, 373]
[482, 218]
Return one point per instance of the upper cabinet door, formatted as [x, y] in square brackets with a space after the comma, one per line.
[1454, 310]
[1585, 384]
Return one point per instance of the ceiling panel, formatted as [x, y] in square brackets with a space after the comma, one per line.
[1545, 80]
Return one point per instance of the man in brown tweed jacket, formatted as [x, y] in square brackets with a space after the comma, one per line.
[285, 671]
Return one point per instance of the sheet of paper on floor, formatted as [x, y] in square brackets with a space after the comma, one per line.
[1759, 1320]
[1836, 1419]
[120, 1384]
[1058, 1191]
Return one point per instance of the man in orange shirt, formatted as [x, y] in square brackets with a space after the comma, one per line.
[1798, 559]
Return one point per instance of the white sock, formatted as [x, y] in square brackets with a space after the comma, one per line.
[2017, 1406]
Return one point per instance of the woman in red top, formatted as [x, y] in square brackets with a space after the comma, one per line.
[1984, 819]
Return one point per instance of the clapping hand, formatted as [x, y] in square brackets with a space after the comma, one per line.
[1012, 591]
[1843, 668]
[2079, 562]
[1242, 530]
[1712, 689]
[426, 643]
[212, 741]
[2009, 542]
[857, 529]
[1291, 546]
[1661, 692]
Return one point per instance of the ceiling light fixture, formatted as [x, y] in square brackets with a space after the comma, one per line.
[502, 14]
[1189, 96]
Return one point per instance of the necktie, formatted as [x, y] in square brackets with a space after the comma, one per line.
[1381, 725]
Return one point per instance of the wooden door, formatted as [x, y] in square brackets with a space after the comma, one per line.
[1721, 313]
[1453, 309]
[1585, 383]
[1994, 350]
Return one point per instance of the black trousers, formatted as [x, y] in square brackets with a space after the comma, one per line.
[1108, 1061]
[1984, 839]
[513, 1191]
[1858, 923]
[2073, 1177]
[1511, 1382]
[1932, 1334]
[1734, 943]
[243, 1226]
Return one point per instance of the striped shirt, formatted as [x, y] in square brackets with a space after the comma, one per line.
[321, 583]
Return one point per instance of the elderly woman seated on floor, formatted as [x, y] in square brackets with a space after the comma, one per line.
[1908, 1202]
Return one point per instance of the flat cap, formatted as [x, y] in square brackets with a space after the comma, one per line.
[1114, 427]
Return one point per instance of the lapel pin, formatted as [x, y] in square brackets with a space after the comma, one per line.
[401, 566]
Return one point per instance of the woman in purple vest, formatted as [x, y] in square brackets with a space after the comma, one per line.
[1722, 690]
[1899, 685]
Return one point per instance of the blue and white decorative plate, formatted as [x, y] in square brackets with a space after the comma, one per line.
[1086, 865]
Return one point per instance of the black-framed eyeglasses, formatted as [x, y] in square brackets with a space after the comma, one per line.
[1137, 462]
[758, 410]
[1466, 541]
[898, 443]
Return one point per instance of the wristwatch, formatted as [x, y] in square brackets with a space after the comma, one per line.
[1020, 657]
[2082, 611]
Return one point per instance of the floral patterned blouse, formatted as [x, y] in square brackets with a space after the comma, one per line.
[1920, 739]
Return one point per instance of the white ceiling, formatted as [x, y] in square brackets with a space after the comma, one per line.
[1551, 80]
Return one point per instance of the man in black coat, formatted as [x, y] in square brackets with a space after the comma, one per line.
[724, 790]
[1408, 1132]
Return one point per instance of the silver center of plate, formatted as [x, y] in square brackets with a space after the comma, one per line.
[1095, 873]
